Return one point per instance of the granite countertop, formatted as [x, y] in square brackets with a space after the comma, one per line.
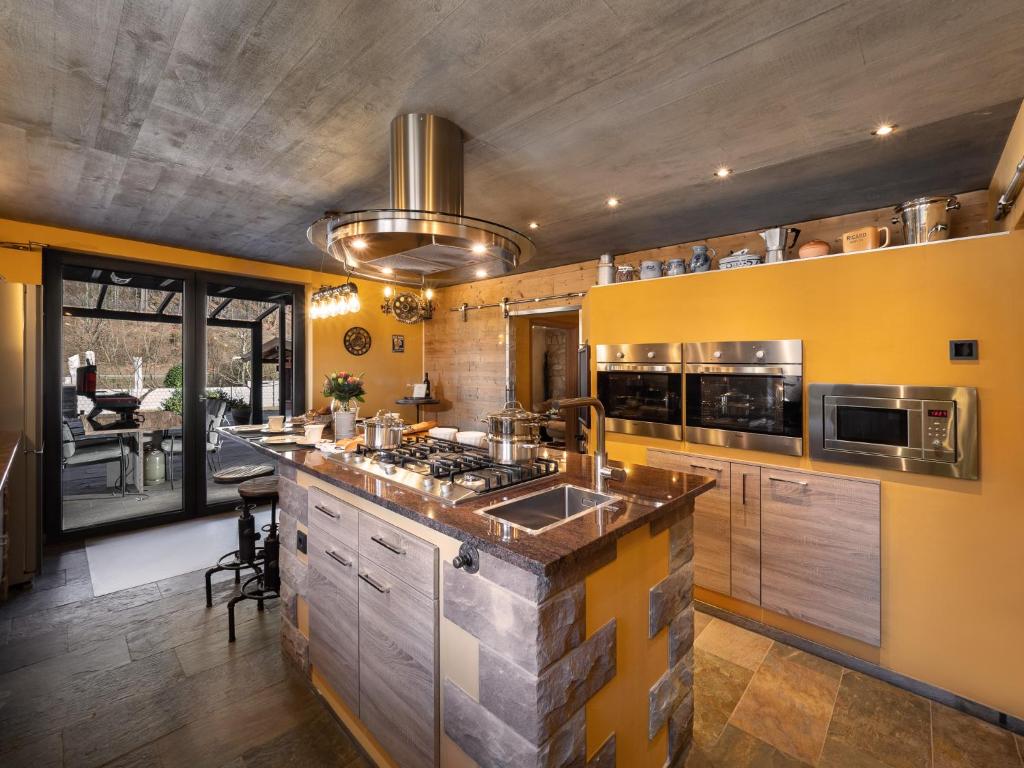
[10, 444]
[647, 495]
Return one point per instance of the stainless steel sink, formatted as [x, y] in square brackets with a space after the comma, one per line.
[545, 509]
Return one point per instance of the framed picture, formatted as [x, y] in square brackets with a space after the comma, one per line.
[397, 342]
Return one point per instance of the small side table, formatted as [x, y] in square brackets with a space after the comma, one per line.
[419, 402]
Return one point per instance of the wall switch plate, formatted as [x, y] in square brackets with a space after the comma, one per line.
[963, 349]
[300, 541]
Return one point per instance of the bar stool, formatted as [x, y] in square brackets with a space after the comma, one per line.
[266, 582]
[248, 555]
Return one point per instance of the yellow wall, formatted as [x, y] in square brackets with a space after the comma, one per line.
[1012, 154]
[387, 374]
[952, 563]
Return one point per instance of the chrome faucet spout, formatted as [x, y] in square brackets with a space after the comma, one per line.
[601, 469]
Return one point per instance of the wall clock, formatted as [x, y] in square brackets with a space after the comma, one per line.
[357, 341]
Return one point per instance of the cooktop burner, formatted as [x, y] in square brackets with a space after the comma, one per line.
[445, 470]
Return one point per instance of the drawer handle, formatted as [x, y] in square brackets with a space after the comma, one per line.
[326, 511]
[388, 545]
[705, 466]
[374, 583]
[801, 483]
[338, 558]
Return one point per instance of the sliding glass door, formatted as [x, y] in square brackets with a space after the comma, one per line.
[143, 364]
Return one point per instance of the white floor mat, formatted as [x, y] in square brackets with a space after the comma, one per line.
[126, 560]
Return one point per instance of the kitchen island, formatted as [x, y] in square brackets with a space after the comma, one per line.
[572, 646]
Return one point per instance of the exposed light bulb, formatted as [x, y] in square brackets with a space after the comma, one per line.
[884, 129]
[429, 293]
[387, 291]
[723, 172]
[314, 310]
[359, 244]
[353, 302]
[478, 248]
[612, 202]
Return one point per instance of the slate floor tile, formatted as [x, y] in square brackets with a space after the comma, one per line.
[717, 687]
[700, 621]
[881, 721]
[734, 644]
[788, 704]
[737, 749]
[962, 741]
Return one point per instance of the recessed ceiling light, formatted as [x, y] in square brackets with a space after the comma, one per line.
[884, 129]
[359, 243]
[723, 172]
[388, 271]
[481, 273]
[478, 248]
[612, 202]
[534, 225]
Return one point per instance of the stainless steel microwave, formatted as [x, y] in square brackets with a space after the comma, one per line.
[931, 430]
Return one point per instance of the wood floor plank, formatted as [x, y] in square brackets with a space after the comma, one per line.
[30, 650]
[213, 649]
[86, 612]
[39, 753]
[318, 741]
[36, 600]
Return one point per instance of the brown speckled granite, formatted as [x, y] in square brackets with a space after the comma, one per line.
[10, 443]
[647, 495]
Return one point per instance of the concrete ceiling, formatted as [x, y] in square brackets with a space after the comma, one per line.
[229, 125]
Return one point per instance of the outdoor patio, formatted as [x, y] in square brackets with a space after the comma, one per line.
[88, 501]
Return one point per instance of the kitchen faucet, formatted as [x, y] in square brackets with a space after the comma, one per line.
[601, 468]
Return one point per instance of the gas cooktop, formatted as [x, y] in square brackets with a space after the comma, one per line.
[450, 472]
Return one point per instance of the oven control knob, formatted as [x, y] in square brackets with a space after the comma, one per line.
[650, 355]
[937, 443]
[389, 469]
[716, 354]
[428, 482]
[759, 354]
[447, 487]
[620, 355]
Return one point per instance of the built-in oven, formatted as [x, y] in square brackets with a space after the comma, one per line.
[745, 394]
[932, 430]
[641, 388]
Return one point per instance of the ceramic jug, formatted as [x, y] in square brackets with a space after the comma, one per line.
[701, 260]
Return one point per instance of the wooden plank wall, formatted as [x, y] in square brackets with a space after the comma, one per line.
[466, 360]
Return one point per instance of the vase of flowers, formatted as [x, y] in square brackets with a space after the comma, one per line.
[345, 390]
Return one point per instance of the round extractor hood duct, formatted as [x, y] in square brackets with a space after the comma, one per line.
[423, 237]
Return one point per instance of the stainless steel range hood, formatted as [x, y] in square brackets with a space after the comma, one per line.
[423, 237]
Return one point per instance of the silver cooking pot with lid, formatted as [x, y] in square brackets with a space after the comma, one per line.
[383, 432]
[513, 434]
[925, 219]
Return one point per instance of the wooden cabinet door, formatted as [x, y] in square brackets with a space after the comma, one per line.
[398, 667]
[745, 515]
[711, 538]
[820, 561]
[333, 594]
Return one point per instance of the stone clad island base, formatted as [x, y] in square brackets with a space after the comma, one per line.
[591, 668]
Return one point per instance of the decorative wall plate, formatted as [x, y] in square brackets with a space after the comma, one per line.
[357, 341]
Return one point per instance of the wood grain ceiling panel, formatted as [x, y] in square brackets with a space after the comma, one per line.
[229, 125]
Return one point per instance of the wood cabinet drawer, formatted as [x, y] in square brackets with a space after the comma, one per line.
[334, 516]
[745, 522]
[820, 551]
[398, 667]
[333, 595]
[711, 524]
[408, 557]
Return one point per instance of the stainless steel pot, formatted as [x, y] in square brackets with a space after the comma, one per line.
[925, 219]
[513, 434]
[383, 432]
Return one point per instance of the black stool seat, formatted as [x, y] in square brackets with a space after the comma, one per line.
[235, 475]
[259, 490]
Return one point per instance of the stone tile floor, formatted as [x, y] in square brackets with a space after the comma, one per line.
[145, 677]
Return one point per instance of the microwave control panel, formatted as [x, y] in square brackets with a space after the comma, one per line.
[938, 423]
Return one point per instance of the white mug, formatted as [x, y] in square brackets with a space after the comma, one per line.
[650, 268]
[314, 432]
[275, 423]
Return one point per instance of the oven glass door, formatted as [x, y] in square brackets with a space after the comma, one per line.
[758, 403]
[635, 396]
